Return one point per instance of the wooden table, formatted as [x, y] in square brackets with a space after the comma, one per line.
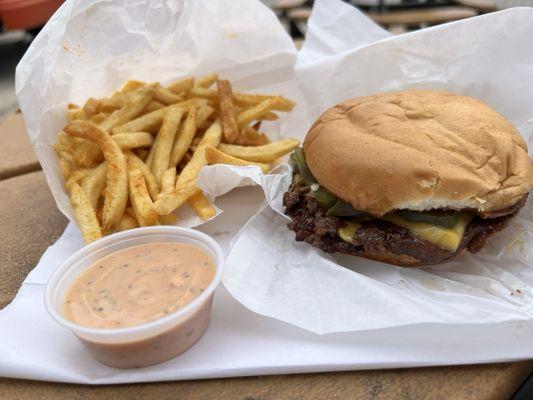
[30, 222]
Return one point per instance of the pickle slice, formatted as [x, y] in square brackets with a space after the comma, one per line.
[293, 163]
[343, 209]
[447, 219]
[325, 199]
[303, 169]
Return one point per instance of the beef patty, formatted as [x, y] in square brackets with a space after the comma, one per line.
[382, 240]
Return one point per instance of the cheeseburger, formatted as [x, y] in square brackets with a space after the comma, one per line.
[409, 178]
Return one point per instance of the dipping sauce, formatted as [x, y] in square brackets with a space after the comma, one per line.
[138, 284]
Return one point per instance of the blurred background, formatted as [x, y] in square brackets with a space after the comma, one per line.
[21, 20]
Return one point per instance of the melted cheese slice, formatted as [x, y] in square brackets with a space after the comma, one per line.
[446, 238]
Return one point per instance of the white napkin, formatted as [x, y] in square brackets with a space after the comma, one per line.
[89, 48]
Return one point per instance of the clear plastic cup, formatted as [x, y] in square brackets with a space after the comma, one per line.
[155, 341]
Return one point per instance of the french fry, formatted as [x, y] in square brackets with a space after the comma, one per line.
[133, 140]
[153, 106]
[169, 219]
[166, 96]
[85, 214]
[138, 101]
[202, 206]
[268, 116]
[247, 100]
[212, 138]
[151, 181]
[250, 137]
[181, 85]
[184, 138]
[168, 181]
[74, 114]
[206, 80]
[126, 222]
[169, 202]
[117, 174]
[188, 131]
[91, 107]
[98, 118]
[93, 184]
[214, 156]
[152, 121]
[251, 114]
[244, 100]
[87, 154]
[131, 85]
[141, 202]
[77, 176]
[267, 153]
[166, 137]
[227, 111]
[66, 167]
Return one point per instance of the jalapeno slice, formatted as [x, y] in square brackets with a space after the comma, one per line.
[303, 169]
[343, 209]
[446, 219]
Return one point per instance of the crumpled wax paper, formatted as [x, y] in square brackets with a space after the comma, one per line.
[475, 309]
[274, 276]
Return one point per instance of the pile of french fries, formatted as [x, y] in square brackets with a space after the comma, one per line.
[132, 159]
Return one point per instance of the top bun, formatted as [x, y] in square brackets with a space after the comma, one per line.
[418, 150]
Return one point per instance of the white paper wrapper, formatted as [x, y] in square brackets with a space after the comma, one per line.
[419, 317]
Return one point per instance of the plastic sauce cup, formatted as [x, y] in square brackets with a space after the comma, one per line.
[155, 341]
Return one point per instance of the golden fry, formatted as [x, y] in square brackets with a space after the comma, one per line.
[133, 140]
[74, 114]
[141, 202]
[138, 101]
[77, 176]
[153, 106]
[269, 116]
[244, 100]
[166, 96]
[227, 111]
[214, 156]
[202, 206]
[117, 174]
[87, 154]
[251, 114]
[206, 80]
[152, 121]
[169, 202]
[85, 214]
[169, 219]
[184, 138]
[250, 137]
[91, 107]
[131, 85]
[166, 137]
[66, 167]
[151, 181]
[212, 138]
[93, 184]
[126, 222]
[181, 85]
[98, 118]
[267, 153]
[168, 181]
[247, 100]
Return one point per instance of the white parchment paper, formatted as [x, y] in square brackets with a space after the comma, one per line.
[477, 309]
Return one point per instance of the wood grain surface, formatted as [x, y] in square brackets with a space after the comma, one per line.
[30, 222]
[16, 154]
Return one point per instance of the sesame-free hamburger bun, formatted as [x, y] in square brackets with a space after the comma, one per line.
[418, 150]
